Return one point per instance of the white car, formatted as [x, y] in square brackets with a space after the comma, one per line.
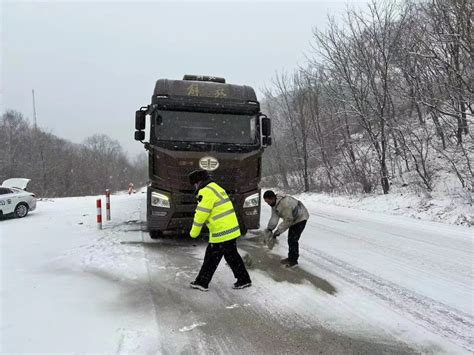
[14, 200]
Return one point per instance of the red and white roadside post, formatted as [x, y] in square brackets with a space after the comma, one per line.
[99, 213]
[107, 204]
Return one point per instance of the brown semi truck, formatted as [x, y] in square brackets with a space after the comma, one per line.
[201, 122]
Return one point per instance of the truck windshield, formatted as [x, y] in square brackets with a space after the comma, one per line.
[205, 127]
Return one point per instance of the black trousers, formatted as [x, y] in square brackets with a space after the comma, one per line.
[214, 254]
[294, 235]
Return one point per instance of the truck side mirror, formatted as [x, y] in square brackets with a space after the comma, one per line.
[267, 141]
[140, 117]
[266, 126]
[266, 131]
[139, 135]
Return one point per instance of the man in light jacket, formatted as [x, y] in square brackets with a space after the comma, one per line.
[294, 216]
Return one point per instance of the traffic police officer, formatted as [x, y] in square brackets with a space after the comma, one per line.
[216, 210]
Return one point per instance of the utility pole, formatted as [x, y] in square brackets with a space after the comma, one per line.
[34, 107]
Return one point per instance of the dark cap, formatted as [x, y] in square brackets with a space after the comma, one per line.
[197, 176]
[269, 194]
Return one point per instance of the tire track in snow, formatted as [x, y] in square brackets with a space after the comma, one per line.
[459, 264]
[430, 314]
[396, 250]
[381, 226]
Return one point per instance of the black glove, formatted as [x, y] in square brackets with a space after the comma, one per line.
[276, 234]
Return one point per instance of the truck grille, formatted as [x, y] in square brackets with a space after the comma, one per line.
[172, 170]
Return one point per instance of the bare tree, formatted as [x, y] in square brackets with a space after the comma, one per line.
[60, 168]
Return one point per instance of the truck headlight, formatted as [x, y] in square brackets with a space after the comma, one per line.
[159, 200]
[252, 201]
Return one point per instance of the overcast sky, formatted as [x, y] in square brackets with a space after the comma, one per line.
[92, 64]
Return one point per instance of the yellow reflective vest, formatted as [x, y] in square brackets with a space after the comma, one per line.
[216, 210]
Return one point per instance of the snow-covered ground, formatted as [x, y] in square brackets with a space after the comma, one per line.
[63, 281]
[448, 203]
[444, 208]
[367, 282]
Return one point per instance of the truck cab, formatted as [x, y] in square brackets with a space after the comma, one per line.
[201, 122]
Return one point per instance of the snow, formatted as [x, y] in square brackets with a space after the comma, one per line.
[68, 287]
[449, 202]
[449, 208]
[192, 326]
[235, 305]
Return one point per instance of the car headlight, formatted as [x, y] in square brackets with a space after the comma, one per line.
[159, 200]
[252, 201]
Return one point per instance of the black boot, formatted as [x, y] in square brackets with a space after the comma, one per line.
[242, 284]
[291, 263]
[200, 287]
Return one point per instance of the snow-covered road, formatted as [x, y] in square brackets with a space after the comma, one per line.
[366, 283]
[421, 270]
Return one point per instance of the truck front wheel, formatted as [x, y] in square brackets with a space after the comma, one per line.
[156, 234]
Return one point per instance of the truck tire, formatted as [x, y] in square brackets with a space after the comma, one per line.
[156, 234]
[21, 210]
